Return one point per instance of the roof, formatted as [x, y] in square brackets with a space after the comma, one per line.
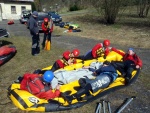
[23, 0]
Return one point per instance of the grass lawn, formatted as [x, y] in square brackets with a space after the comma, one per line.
[129, 31]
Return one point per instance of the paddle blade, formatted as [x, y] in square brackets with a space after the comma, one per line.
[47, 45]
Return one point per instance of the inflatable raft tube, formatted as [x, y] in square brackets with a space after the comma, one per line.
[6, 53]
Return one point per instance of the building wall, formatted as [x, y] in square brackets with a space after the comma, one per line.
[6, 10]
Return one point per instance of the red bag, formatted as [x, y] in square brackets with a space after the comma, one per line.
[32, 83]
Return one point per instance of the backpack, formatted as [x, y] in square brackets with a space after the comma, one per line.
[35, 85]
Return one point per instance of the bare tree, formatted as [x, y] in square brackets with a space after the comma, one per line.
[108, 8]
[143, 7]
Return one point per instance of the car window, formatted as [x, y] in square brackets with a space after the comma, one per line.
[41, 17]
[26, 12]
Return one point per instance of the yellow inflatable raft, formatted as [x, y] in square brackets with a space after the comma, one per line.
[26, 101]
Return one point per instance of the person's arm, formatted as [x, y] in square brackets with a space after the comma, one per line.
[117, 51]
[60, 64]
[95, 48]
[106, 52]
[51, 26]
[50, 94]
[34, 27]
[97, 72]
[43, 27]
[31, 25]
[139, 62]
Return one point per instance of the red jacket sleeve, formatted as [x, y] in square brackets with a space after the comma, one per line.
[139, 61]
[95, 48]
[49, 94]
[75, 61]
[106, 52]
[117, 51]
[60, 63]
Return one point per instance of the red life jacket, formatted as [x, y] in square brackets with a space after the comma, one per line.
[33, 84]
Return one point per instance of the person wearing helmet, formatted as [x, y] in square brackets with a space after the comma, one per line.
[99, 50]
[130, 62]
[41, 86]
[47, 27]
[106, 46]
[34, 31]
[67, 59]
[75, 53]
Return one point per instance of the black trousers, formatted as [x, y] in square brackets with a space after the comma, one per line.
[55, 67]
[125, 67]
[46, 36]
[35, 45]
[88, 56]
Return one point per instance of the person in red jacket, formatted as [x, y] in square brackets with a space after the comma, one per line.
[40, 86]
[130, 62]
[47, 27]
[99, 50]
[67, 59]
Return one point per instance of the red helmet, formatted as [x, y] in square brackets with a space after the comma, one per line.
[66, 55]
[45, 20]
[76, 52]
[106, 43]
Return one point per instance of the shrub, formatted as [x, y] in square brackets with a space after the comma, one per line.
[74, 8]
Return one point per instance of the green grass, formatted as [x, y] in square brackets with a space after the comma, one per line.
[23, 61]
[128, 31]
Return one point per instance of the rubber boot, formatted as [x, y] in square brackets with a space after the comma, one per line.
[37, 50]
[82, 91]
[33, 51]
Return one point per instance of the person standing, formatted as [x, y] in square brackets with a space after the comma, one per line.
[47, 27]
[34, 31]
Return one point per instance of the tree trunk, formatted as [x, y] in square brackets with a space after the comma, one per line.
[144, 6]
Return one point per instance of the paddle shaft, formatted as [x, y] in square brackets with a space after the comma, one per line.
[125, 104]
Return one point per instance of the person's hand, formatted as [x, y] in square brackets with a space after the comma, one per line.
[137, 66]
[85, 67]
[94, 73]
[109, 48]
[70, 61]
[58, 87]
[104, 57]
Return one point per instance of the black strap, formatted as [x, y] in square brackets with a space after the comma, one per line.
[20, 100]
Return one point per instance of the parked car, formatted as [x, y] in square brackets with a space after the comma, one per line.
[55, 17]
[25, 15]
